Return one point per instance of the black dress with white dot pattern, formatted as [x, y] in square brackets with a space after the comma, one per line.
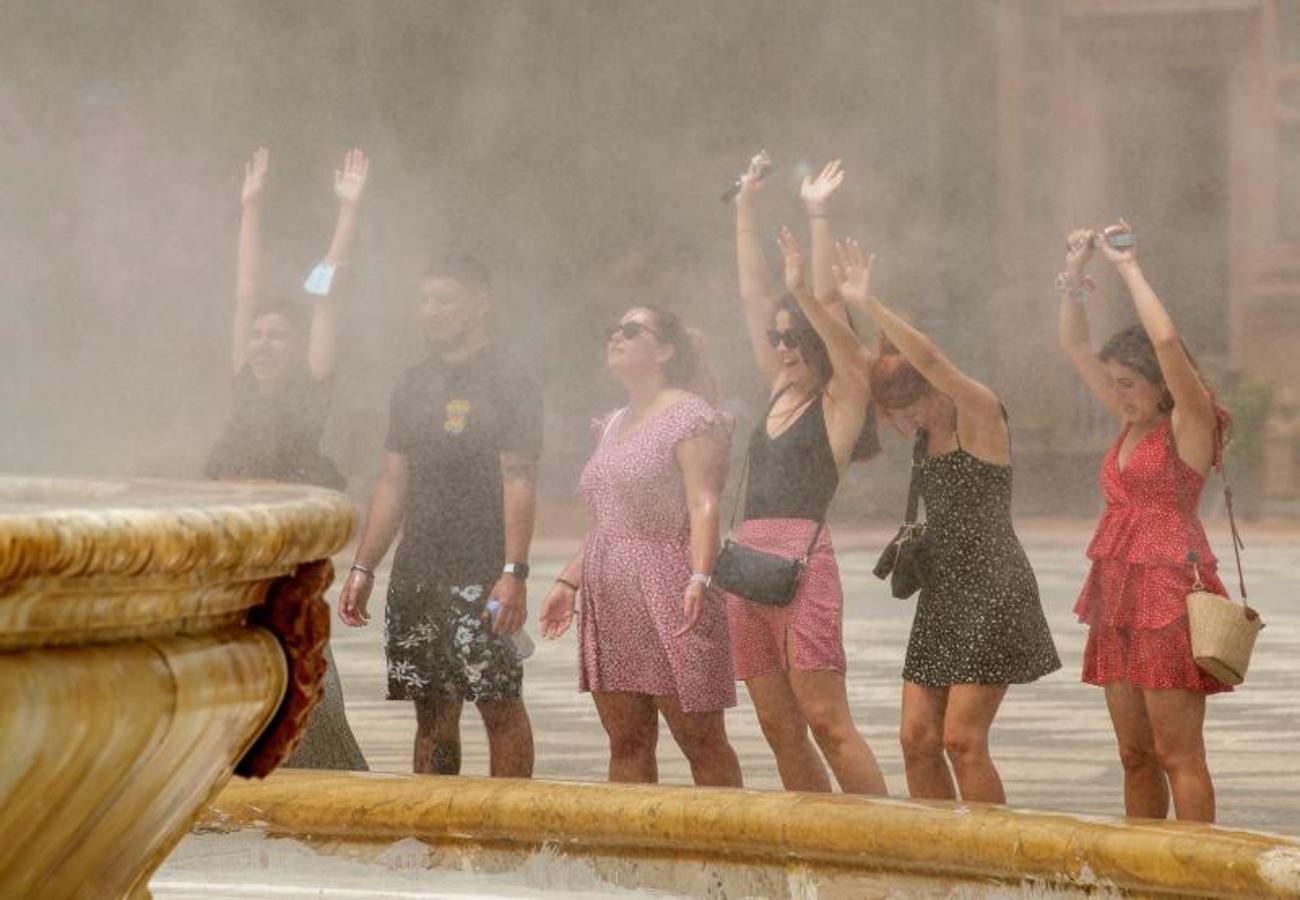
[979, 619]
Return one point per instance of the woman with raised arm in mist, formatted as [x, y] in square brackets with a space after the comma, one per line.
[652, 638]
[979, 623]
[283, 363]
[1134, 600]
[791, 658]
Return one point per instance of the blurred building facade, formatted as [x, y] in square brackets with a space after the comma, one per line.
[1086, 89]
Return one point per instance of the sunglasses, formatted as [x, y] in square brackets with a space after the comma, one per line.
[776, 338]
[628, 330]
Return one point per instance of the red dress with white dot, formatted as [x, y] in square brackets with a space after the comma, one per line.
[1135, 597]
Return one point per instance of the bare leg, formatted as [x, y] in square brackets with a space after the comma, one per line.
[1146, 793]
[787, 733]
[824, 703]
[632, 723]
[921, 735]
[703, 738]
[1177, 722]
[437, 736]
[510, 737]
[966, 724]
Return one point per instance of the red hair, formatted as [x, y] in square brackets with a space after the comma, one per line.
[895, 382]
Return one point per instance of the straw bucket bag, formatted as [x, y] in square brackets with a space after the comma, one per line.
[1223, 631]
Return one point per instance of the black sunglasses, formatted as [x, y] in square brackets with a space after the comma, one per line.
[629, 330]
[789, 337]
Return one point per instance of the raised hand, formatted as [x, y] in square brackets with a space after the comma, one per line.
[792, 253]
[1078, 250]
[751, 183]
[350, 181]
[852, 273]
[1118, 256]
[816, 192]
[557, 611]
[255, 175]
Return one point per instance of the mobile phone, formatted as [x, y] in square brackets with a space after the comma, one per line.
[1120, 240]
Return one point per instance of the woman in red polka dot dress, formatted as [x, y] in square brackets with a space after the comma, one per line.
[651, 639]
[1134, 600]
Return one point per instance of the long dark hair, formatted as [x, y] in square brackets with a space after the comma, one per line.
[1132, 347]
[814, 352]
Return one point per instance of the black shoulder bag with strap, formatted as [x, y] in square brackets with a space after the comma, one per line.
[905, 561]
[754, 574]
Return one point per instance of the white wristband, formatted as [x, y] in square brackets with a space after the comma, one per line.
[701, 578]
[320, 280]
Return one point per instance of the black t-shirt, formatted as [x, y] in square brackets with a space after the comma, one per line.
[276, 435]
[452, 422]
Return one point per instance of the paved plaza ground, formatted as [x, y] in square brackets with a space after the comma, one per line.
[1052, 739]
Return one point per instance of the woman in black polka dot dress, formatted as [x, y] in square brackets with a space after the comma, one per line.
[979, 625]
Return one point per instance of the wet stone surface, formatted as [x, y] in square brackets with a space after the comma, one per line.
[1052, 739]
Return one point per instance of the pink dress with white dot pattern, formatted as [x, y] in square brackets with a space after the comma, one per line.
[636, 565]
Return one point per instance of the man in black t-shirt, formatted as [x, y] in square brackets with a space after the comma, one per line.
[459, 466]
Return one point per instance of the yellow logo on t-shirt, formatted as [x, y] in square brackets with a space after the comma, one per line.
[455, 416]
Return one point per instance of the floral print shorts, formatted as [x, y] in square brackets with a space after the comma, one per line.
[439, 644]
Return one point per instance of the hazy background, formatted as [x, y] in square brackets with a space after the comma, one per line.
[579, 147]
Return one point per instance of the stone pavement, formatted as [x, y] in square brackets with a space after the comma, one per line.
[1052, 739]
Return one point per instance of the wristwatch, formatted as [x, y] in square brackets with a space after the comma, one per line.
[519, 570]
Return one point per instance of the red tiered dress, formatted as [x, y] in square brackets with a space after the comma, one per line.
[1135, 598]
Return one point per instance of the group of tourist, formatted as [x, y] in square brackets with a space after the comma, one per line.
[656, 636]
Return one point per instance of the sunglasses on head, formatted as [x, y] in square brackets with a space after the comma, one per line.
[789, 337]
[628, 330]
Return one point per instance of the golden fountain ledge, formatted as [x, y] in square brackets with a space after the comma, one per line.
[721, 843]
[134, 669]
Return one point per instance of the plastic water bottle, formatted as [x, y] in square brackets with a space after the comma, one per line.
[520, 643]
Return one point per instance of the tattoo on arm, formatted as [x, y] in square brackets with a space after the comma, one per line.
[446, 758]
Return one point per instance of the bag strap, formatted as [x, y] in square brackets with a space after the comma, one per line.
[1187, 513]
[919, 450]
[744, 475]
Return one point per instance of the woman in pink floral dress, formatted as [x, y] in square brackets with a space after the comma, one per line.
[652, 638]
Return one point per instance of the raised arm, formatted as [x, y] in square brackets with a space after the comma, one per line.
[248, 255]
[973, 399]
[384, 518]
[757, 289]
[849, 359]
[816, 194]
[349, 185]
[1193, 405]
[1073, 332]
[703, 461]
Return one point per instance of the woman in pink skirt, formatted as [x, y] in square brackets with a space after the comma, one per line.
[791, 658]
[652, 639]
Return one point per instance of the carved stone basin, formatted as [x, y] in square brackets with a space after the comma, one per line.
[143, 635]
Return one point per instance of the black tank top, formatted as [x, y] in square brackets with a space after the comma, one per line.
[792, 476]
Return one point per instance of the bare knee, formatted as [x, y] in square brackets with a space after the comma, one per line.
[1137, 756]
[632, 739]
[503, 715]
[699, 740]
[782, 730]
[830, 722]
[1179, 758]
[920, 741]
[964, 746]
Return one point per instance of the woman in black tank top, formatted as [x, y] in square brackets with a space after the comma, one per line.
[791, 658]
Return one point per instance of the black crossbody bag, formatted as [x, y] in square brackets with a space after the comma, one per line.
[755, 574]
[905, 561]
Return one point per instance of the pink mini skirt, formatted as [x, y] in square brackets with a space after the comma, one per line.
[808, 633]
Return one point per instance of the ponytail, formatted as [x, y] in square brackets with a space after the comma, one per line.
[688, 368]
